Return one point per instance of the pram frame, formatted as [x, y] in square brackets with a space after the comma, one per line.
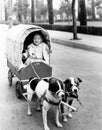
[42, 70]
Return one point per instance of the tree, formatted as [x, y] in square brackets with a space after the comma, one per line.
[94, 4]
[89, 12]
[5, 10]
[20, 10]
[41, 10]
[50, 11]
[82, 12]
[99, 12]
[93, 10]
[8, 8]
[66, 8]
[25, 9]
[32, 12]
[74, 20]
[99, 4]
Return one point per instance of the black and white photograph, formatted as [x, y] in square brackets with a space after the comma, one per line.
[50, 64]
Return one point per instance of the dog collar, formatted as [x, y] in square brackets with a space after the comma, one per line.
[52, 103]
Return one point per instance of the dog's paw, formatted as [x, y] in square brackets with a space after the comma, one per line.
[65, 119]
[59, 124]
[29, 113]
[46, 128]
[70, 115]
[38, 108]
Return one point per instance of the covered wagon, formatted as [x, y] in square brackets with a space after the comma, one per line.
[18, 38]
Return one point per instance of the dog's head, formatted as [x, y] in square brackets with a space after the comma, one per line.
[56, 87]
[72, 86]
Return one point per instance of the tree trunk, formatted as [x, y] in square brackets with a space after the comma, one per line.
[32, 12]
[20, 8]
[93, 10]
[74, 21]
[50, 11]
[19, 17]
[82, 12]
[5, 10]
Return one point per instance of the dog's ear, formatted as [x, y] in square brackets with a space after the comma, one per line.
[46, 79]
[67, 81]
[30, 79]
[51, 83]
[80, 80]
[51, 80]
[53, 86]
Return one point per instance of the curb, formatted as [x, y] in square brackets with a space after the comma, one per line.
[78, 45]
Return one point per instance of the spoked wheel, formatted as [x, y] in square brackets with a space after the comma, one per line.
[10, 76]
[19, 89]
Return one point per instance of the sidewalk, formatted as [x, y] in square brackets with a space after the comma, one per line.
[86, 42]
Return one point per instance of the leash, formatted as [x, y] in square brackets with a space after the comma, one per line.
[73, 109]
[35, 72]
[68, 94]
[80, 102]
[69, 106]
[49, 101]
[66, 113]
[49, 58]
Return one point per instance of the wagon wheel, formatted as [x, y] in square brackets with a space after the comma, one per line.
[10, 78]
[19, 89]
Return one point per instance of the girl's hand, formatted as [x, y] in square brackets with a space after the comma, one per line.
[24, 55]
[33, 56]
[49, 51]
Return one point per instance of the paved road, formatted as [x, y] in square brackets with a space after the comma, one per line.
[65, 62]
[88, 66]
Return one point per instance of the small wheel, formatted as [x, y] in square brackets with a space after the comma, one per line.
[19, 89]
[10, 78]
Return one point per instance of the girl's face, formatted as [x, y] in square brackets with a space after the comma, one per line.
[37, 39]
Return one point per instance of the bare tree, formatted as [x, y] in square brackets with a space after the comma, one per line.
[74, 20]
[41, 10]
[20, 10]
[50, 11]
[5, 10]
[82, 12]
[65, 7]
[98, 3]
[32, 12]
[93, 9]
[25, 9]
[94, 4]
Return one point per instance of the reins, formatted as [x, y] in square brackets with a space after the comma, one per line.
[79, 102]
[35, 72]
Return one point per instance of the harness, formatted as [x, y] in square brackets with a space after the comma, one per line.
[69, 94]
[49, 101]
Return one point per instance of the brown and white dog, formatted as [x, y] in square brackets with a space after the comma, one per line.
[50, 91]
[71, 87]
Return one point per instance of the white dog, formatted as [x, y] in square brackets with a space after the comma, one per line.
[50, 91]
[71, 87]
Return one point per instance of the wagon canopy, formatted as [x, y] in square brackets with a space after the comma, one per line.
[17, 39]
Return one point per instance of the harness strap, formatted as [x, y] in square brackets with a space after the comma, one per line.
[35, 71]
[51, 102]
